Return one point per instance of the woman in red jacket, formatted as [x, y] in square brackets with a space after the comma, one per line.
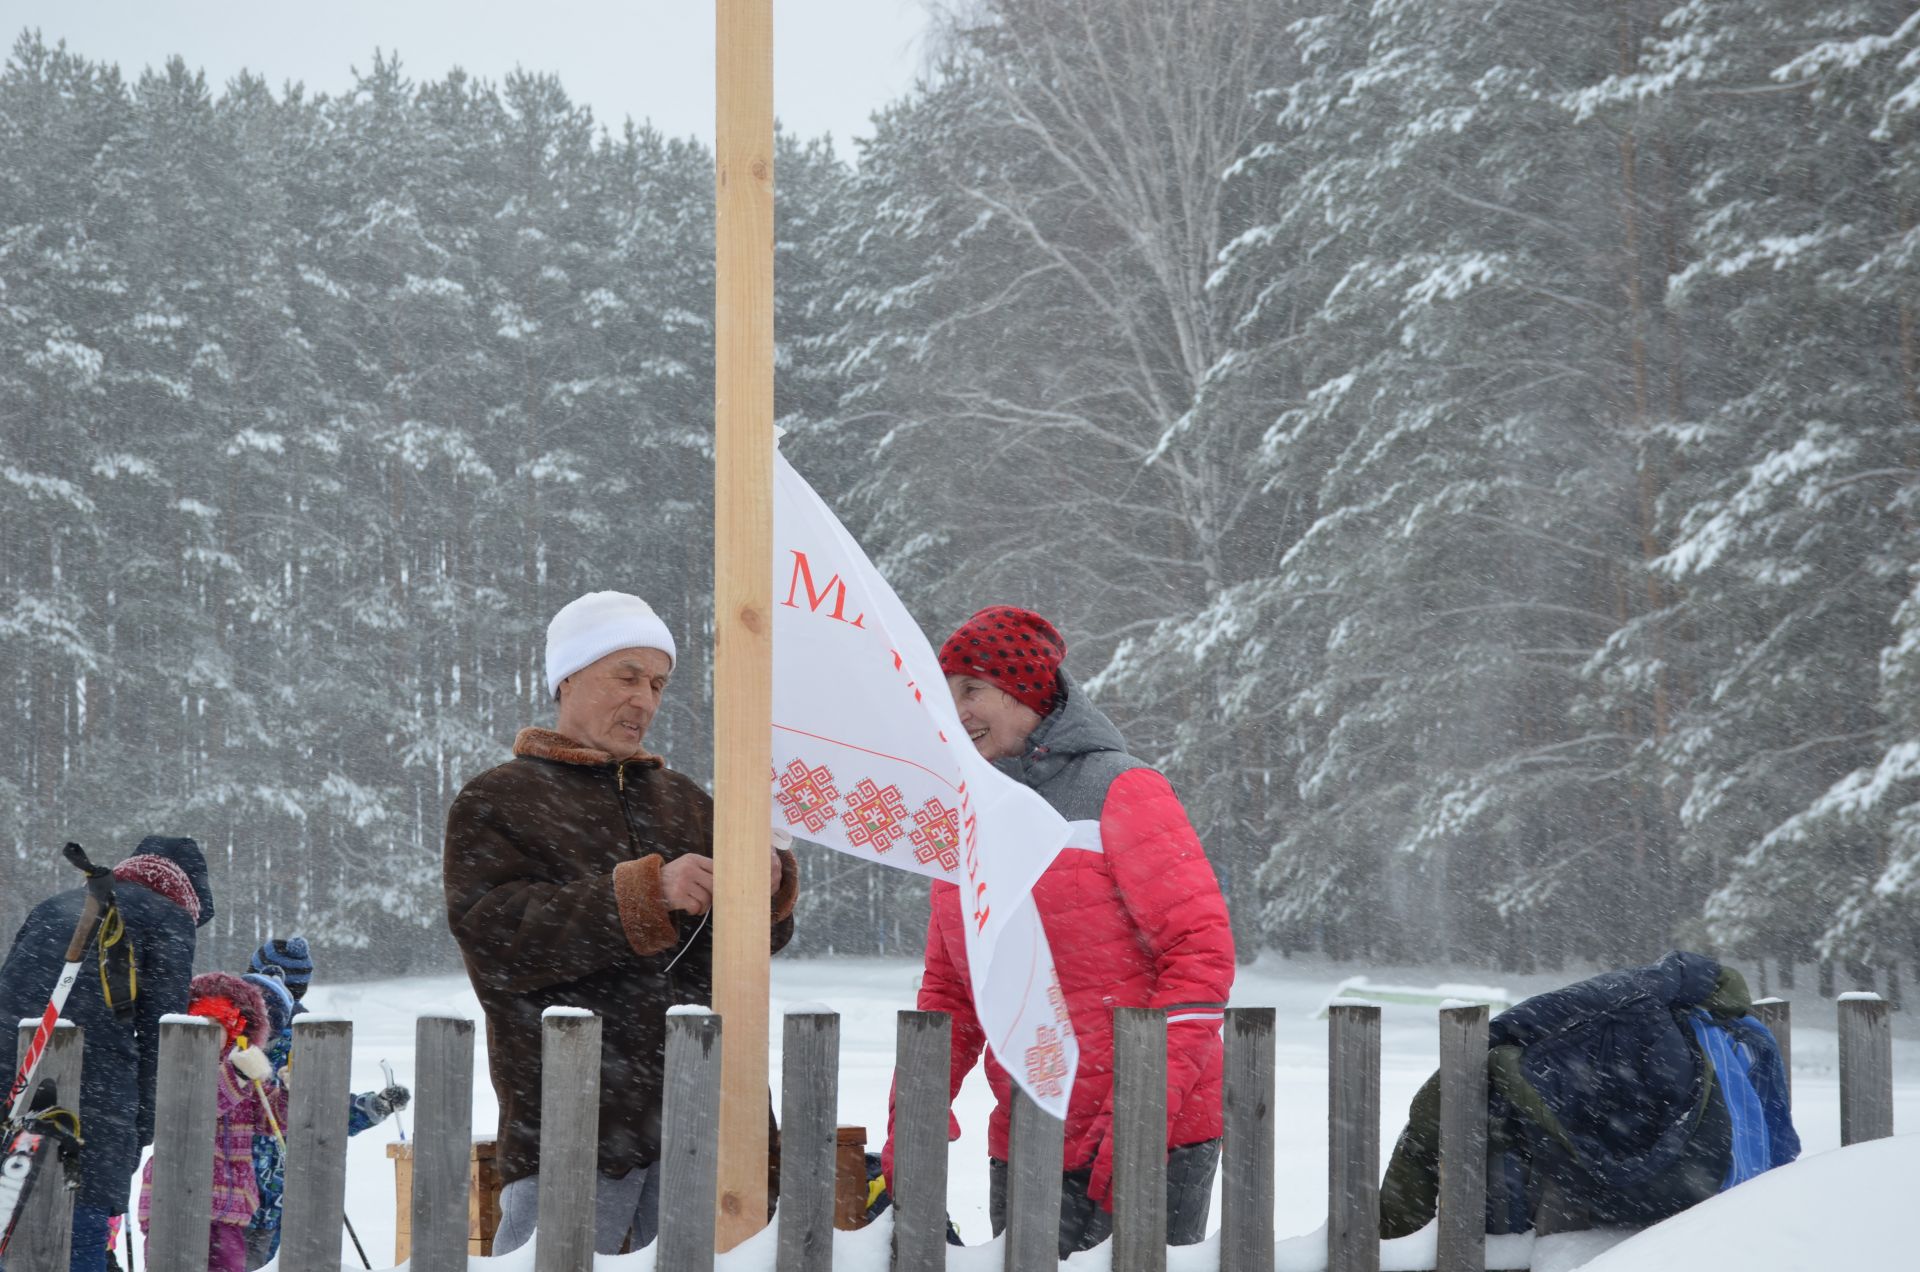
[1132, 910]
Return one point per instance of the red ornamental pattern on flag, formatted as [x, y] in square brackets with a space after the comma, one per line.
[875, 817]
[1047, 1062]
[936, 835]
[1057, 999]
[869, 759]
[807, 795]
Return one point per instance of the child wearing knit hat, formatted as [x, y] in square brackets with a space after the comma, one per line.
[245, 1091]
[291, 957]
[369, 1108]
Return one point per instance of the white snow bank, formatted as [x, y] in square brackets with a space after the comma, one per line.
[689, 1009]
[1849, 1208]
[1308, 1253]
[1860, 996]
[564, 1013]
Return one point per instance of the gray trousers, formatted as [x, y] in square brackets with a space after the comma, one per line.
[1084, 1225]
[626, 1212]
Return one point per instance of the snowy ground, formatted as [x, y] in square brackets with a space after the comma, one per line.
[867, 993]
[1829, 1210]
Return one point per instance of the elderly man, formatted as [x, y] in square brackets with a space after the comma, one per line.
[1135, 920]
[579, 874]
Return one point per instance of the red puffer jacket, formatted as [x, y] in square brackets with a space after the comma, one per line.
[1140, 922]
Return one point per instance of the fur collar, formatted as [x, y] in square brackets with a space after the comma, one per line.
[545, 744]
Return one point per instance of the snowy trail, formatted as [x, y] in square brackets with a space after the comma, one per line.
[867, 993]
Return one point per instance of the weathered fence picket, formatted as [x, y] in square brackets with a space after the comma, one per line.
[1139, 1139]
[1353, 1137]
[1777, 1015]
[1246, 1151]
[316, 1130]
[184, 1118]
[1463, 1139]
[1033, 1187]
[1866, 1068]
[45, 1243]
[316, 1135]
[809, 1106]
[1247, 1146]
[442, 1133]
[923, 1061]
[569, 1139]
[689, 1142]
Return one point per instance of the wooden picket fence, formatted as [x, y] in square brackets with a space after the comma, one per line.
[570, 1081]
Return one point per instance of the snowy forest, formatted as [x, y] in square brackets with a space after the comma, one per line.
[1473, 447]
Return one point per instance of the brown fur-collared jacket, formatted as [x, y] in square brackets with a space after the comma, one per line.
[552, 871]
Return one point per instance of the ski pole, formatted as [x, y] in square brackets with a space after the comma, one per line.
[99, 899]
[357, 1247]
[273, 1123]
[399, 1122]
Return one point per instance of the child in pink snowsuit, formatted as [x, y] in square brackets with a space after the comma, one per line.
[245, 1076]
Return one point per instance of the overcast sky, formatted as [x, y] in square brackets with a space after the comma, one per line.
[834, 60]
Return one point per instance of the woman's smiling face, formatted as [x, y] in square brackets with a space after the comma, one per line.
[998, 722]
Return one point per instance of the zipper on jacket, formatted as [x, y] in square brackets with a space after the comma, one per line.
[626, 814]
[633, 841]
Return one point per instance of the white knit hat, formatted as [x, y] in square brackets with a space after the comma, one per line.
[588, 629]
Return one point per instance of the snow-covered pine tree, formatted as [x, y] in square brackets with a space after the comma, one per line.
[63, 286]
[1482, 363]
[1792, 533]
[314, 409]
[1033, 369]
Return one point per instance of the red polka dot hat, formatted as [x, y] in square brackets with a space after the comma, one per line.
[1010, 647]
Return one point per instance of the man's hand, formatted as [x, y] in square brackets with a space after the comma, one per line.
[686, 884]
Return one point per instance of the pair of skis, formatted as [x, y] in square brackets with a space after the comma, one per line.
[34, 1130]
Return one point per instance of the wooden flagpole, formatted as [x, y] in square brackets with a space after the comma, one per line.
[743, 600]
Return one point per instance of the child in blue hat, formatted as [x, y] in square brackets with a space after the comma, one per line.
[272, 967]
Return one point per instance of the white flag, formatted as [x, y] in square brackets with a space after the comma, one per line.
[869, 758]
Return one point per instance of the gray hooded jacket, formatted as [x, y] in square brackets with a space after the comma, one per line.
[1073, 756]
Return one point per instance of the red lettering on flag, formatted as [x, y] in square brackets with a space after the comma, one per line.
[816, 597]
